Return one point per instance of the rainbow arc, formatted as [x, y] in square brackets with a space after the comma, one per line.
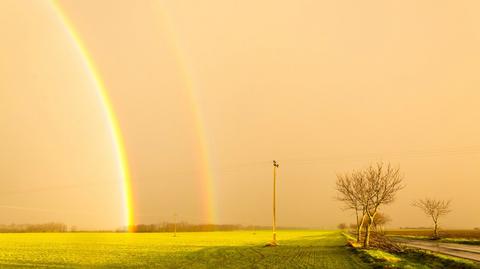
[207, 178]
[113, 123]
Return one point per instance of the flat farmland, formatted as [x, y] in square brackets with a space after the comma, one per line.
[243, 249]
[468, 237]
[467, 234]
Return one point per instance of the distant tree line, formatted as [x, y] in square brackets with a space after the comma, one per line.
[165, 227]
[184, 227]
[169, 227]
[34, 228]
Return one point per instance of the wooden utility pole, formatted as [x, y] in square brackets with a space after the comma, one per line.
[175, 225]
[275, 166]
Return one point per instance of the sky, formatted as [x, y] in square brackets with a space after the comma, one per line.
[213, 91]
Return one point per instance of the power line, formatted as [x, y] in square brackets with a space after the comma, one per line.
[384, 155]
[315, 160]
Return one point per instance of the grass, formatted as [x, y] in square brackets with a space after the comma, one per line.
[422, 259]
[382, 255]
[465, 241]
[469, 237]
[469, 234]
[409, 259]
[243, 249]
[414, 259]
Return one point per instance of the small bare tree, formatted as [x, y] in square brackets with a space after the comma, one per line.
[380, 220]
[435, 209]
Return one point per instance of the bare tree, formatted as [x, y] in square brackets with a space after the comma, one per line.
[383, 183]
[435, 209]
[351, 190]
[365, 191]
[342, 226]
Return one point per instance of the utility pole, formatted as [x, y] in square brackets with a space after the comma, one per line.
[175, 225]
[275, 166]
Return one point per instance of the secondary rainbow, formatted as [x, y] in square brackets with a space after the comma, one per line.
[113, 124]
[207, 178]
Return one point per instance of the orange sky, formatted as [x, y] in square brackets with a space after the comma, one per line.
[322, 86]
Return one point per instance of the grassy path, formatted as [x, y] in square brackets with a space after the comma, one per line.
[298, 249]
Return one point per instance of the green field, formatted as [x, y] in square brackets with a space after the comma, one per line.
[298, 249]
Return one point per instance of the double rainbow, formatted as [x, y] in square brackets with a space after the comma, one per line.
[116, 133]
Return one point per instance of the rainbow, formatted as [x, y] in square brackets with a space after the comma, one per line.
[113, 124]
[207, 178]
[205, 164]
